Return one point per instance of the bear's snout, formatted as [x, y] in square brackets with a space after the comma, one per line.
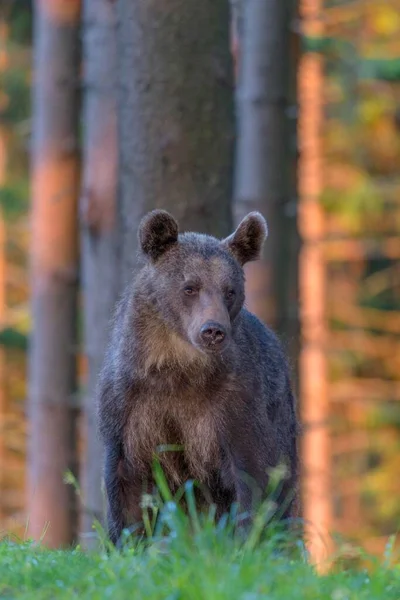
[213, 336]
[212, 333]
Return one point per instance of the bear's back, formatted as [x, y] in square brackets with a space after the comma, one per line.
[261, 354]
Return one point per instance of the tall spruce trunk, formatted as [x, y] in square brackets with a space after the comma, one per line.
[315, 405]
[3, 172]
[54, 275]
[98, 223]
[265, 178]
[175, 116]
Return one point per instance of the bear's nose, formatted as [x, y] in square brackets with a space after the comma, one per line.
[212, 333]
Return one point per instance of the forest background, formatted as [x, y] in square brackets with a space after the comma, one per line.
[324, 168]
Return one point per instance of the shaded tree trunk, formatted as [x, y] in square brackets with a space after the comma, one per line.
[265, 47]
[265, 177]
[98, 221]
[175, 116]
[55, 182]
[288, 276]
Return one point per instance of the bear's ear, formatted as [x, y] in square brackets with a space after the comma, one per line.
[247, 241]
[158, 231]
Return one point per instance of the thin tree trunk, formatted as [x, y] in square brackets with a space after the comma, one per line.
[175, 116]
[98, 219]
[3, 167]
[288, 291]
[262, 174]
[3, 398]
[55, 183]
[316, 461]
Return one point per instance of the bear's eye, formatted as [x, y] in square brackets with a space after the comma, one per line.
[190, 290]
[230, 294]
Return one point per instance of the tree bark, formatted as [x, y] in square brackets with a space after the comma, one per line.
[175, 116]
[265, 161]
[98, 224]
[3, 170]
[55, 181]
[289, 325]
[316, 451]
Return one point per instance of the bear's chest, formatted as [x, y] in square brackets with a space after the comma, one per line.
[182, 429]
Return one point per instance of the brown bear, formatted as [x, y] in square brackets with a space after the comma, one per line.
[188, 365]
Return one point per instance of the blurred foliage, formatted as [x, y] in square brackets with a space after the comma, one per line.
[16, 89]
[11, 338]
[361, 198]
[14, 199]
[20, 21]
[15, 77]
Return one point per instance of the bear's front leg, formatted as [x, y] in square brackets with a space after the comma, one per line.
[125, 489]
[250, 483]
[114, 490]
[246, 468]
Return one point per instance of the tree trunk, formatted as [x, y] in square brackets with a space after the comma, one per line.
[265, 48]
[316, 460]
[288, 324]
[55, 182]
[3, 171]
[264, 159]
[98, 221]
[175, 116]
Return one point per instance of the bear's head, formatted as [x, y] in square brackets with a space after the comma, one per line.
[195, 281]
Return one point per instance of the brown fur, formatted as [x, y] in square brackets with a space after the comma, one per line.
[223, 396]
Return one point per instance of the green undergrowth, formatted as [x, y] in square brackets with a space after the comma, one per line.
[195, 557]
[206, 567]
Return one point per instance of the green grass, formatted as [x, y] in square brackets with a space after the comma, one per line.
[208, 567]
[190, 557]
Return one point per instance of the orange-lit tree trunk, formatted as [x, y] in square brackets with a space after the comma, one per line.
[3, 163]
[3, 411]
[175, 116]
[316, 469]
[261, 43]
[98, 222]
[55, 184]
